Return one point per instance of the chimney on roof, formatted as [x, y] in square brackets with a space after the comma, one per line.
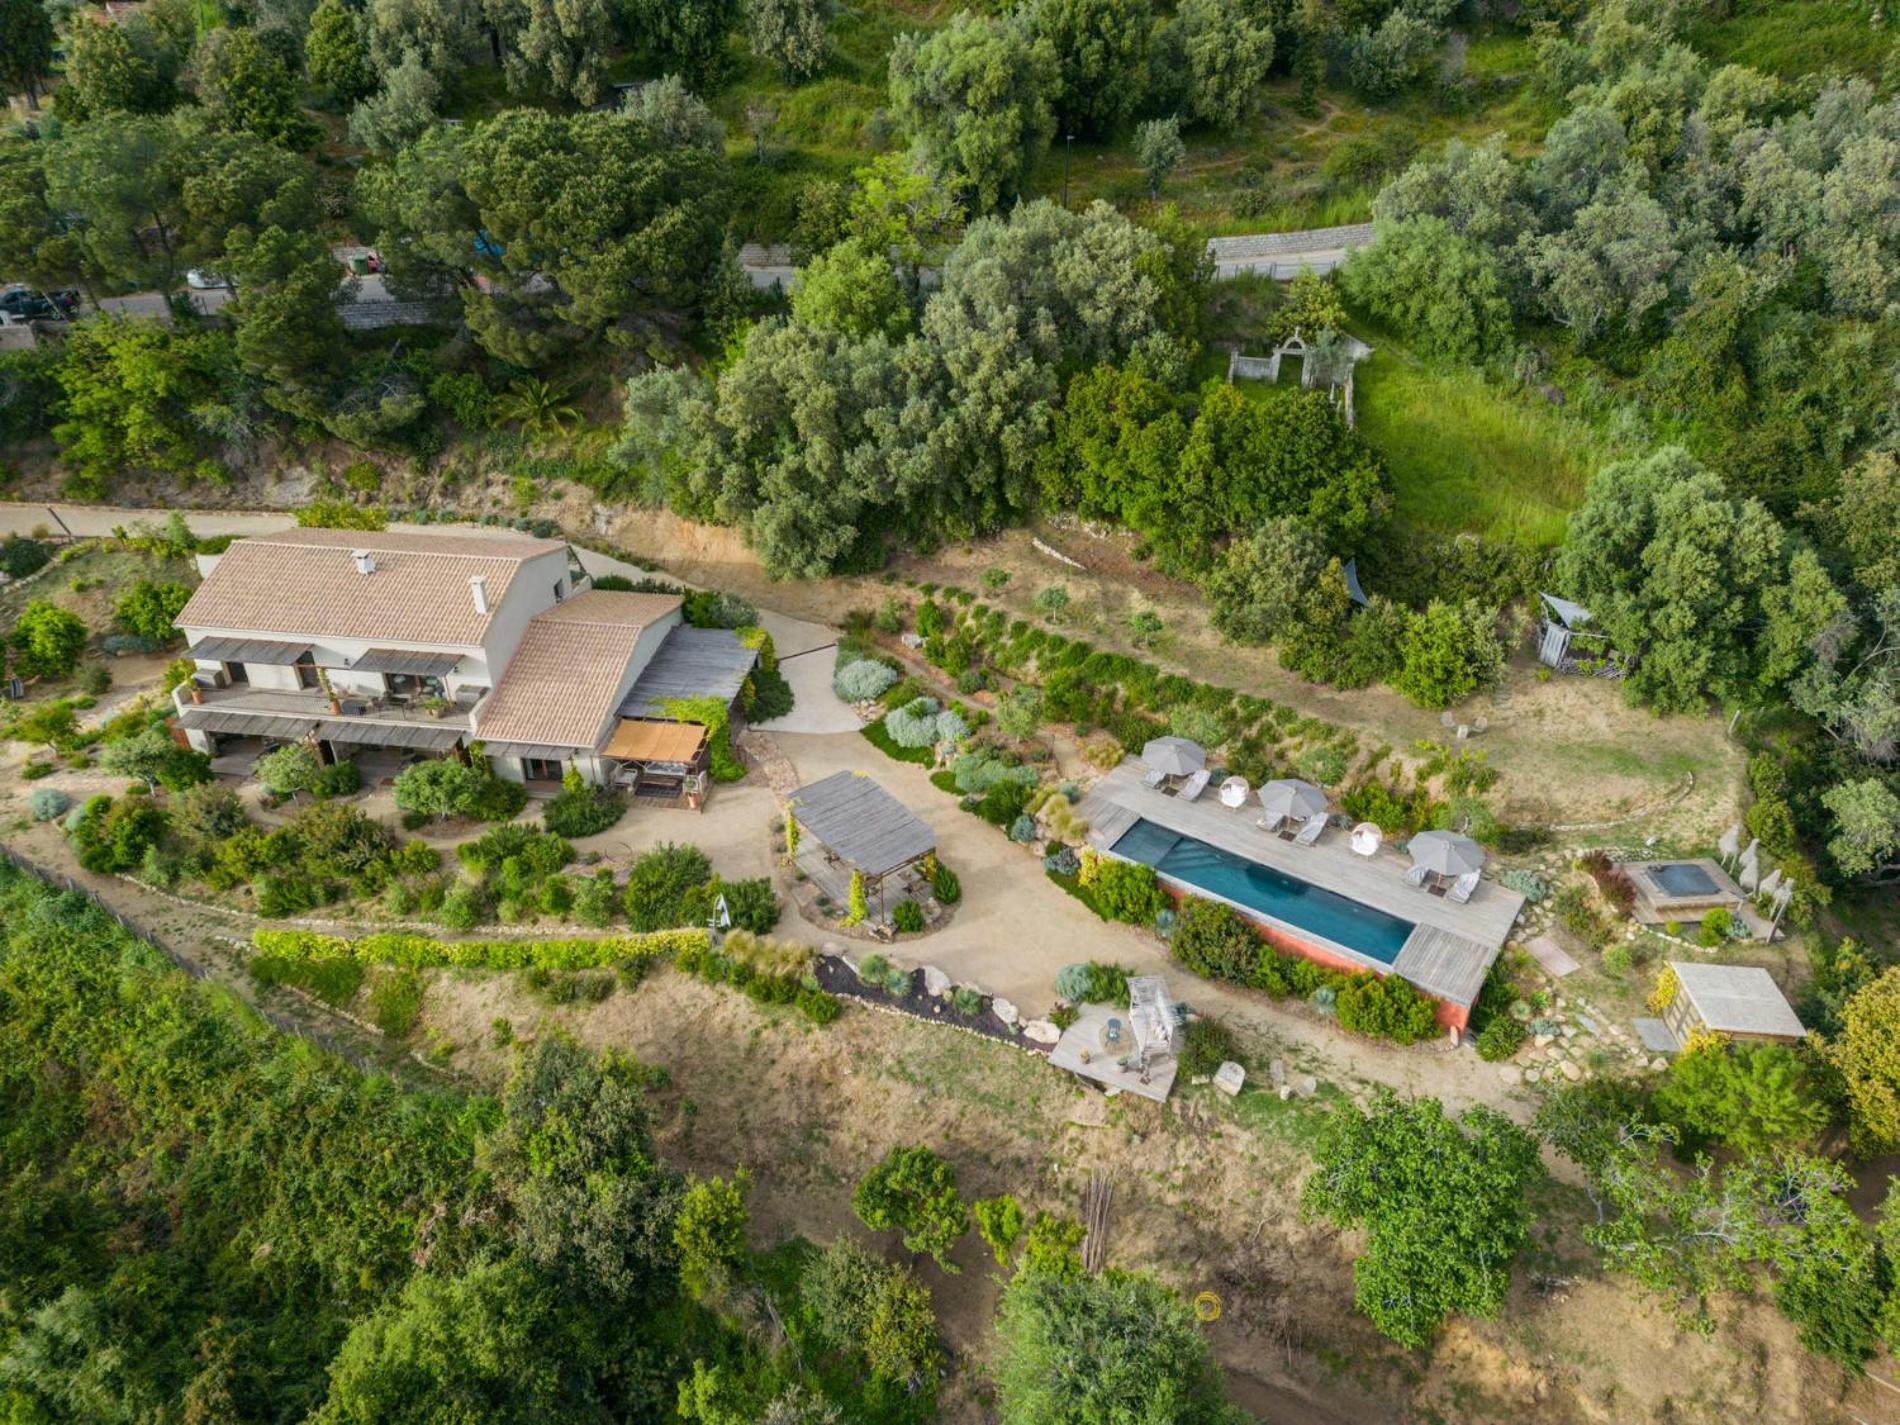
[478, 590]
[364, 564]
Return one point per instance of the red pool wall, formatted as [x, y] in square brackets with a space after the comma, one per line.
[1449, 1015]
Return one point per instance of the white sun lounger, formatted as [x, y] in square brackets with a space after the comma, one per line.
[1154, 778]
[1195, 786]
[1310, 832]
[1462, 888]
[1270, 823]
[1416, 876]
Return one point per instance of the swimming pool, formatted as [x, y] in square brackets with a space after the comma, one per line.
[1289, 900]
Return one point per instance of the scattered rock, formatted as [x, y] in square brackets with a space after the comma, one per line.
[1572, 1070]
[1304, 1085]
[1659, 1063]
[1004, 1010]
[936, 982]
[1229, 1078]
[1533, 1074]
[1277, 1072]
[1041, 1031]
[1286, 1092]
[1542, 1041]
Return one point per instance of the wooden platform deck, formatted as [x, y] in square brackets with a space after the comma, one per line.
[1448, 953]
[1089, 1034]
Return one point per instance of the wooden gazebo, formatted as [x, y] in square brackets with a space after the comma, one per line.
[863, 828]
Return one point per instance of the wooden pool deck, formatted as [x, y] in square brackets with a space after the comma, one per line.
[1448, 953]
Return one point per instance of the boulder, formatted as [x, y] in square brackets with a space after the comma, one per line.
[1572, 1070]
[1004, 1010]
[936, 982]
[1304, 1085]
[1229, 1078]
[1041, 1031]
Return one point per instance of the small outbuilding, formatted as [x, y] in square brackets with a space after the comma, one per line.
[1738, 1001]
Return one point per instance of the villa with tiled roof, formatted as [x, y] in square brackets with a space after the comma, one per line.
[389, 645]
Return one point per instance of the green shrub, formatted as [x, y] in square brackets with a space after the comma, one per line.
[945, 886]
[873, 968]
[597, 901]
[46, 803]
[1386, 1007]
[907, 917]
[1122, 890]
[339, 779]
[424, 952]
[1004, 802]
[1093, 983]
[586, 813]
[1716, 925]
[463, 908]
[1620, 958]
[967, 1001]
[1212, 939]
[668, 886]
[395, 1002]
[752, 903]
[1500, 1038]
[334, 980]
[862, 680]
[1205, 1046]
[497, 799]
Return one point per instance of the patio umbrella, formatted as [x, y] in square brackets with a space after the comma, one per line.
[1446, 853]
[1233, 792]
[1175, 756]
[1292, 799]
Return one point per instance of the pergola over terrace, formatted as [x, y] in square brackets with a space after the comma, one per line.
[858, 826]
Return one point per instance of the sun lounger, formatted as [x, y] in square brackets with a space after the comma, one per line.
[1416, 876]
[1462, 888]
[1195, 786]
[1310, 832]
[1270, 823]
[1155, 778]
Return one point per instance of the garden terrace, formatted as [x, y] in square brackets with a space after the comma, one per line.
[1447, 950]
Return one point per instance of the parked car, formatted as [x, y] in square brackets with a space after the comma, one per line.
[206, 281]
[29, 305]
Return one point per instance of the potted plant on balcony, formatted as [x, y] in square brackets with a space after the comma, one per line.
[323, 681]
[436, 706]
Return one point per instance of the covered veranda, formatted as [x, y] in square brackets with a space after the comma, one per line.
[660, 760]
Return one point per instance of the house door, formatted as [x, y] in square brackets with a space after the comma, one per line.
[541, 769]
[237, 673]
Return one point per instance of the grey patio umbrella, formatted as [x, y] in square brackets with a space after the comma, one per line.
[1292, 799]
[1446, 853]
[1175, 756]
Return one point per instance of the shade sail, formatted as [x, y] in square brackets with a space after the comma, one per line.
[639, 740]
[406, 660]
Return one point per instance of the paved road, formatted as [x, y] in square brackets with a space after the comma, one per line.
[1277, 255]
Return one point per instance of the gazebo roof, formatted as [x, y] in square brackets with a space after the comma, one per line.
[1737, 999]
[862, 823]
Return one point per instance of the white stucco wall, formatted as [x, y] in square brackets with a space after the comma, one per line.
[529, 593]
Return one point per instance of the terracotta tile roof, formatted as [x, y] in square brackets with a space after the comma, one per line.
[305, 582]
[563, 684]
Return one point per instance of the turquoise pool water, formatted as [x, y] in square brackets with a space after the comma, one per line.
[1287, 899]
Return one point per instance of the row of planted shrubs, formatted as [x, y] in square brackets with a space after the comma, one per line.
[333, 966]
[419, 952]
[766, 971]
[1213, 940]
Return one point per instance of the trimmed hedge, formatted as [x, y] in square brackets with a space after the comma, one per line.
[423, 951]
[762, 987]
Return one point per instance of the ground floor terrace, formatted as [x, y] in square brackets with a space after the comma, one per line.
[1325, 901]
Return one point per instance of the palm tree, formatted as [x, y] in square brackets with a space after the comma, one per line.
[539, 407]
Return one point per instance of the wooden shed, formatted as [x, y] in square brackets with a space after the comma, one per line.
[1741, 1002]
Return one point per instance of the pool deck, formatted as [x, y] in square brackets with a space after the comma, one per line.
[1447, 955]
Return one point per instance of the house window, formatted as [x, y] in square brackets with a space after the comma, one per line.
[541, 769]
